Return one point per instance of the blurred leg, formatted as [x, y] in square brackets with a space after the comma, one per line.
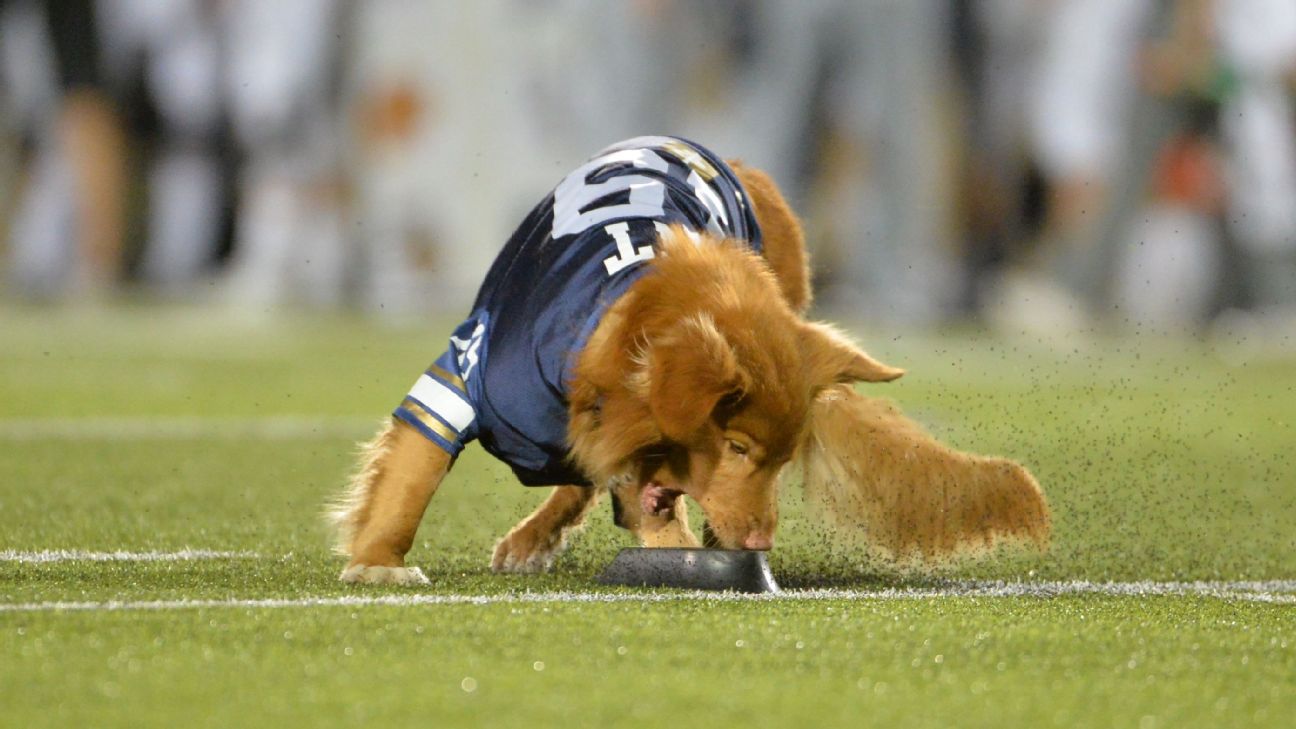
[96, 150]
[92, 138]
[43, 226]
[184, 219]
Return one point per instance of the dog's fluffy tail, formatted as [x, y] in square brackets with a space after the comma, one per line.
[881, 479]
[349, 510]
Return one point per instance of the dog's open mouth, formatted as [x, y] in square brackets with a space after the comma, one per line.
[657, 500]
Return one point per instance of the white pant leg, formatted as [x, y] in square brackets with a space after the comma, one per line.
[42, 238]
[184, 216]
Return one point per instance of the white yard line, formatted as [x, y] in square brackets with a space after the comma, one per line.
[1276, 592]
[271, 427]
[81, 555]
[1269, 597]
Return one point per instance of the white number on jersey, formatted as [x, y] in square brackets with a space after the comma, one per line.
[646, 199]
[466, 350]
[647, 194]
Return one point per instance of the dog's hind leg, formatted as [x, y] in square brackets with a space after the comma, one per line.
[378, 515]
[534, 544]
[666, 527]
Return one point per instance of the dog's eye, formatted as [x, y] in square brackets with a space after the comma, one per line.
[737, 447]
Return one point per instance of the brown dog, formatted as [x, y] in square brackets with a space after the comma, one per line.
[699, 378]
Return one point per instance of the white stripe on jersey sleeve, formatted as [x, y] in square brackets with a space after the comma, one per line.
[444, 402]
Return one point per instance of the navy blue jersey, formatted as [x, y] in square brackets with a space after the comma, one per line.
[504, 378]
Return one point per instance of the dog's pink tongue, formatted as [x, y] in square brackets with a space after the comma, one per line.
[656, 499]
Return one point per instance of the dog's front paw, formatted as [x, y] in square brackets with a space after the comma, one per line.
[524, 552]
[364, 574]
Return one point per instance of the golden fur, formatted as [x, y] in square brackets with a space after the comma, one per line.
[704, 381]
[532, 545]
[352, 508]
[784, 241]
[702, 353]
[377, 516]
[880, 478]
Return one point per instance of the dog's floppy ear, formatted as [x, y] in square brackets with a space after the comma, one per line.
[690, 369]
[833, 358]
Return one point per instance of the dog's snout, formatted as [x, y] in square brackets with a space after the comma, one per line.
[757, 541]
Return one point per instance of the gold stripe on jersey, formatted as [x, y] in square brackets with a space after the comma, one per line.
[432, 424]
[453, 380]
[690, 157]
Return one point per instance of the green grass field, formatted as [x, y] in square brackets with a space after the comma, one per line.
[157, 430]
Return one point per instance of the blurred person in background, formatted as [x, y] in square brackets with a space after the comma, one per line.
[1042, 161]
[1164, 134]
[445, 151]
[281, 83]
[164, 62]
[461, 112]
[1169, 265]
[66, 236]
[159, 66]
[230, 104]
[1077, 109]
[996, 45]
[1257, 39]
[841, 102]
